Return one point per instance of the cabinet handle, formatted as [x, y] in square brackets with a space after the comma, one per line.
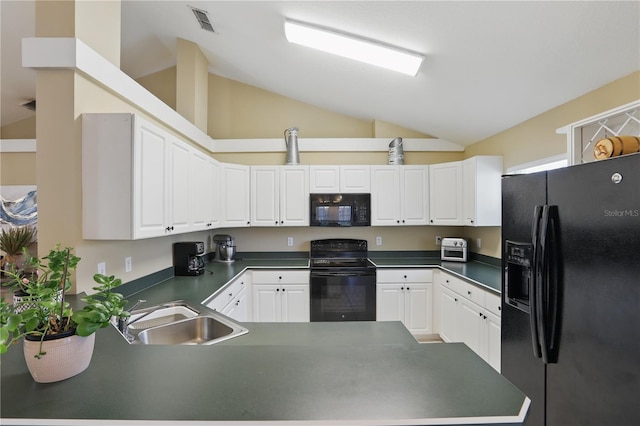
[402, 288]
[469, 293]
[398, 221]
[282, 221]
[431, 220]
[283, 289]
[276, 222]
[405, 277]
[408, 289]
[279, 278]
[402, 220]
[480, 313]
[499, 308]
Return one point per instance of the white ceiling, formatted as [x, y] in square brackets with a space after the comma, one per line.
[488, 67]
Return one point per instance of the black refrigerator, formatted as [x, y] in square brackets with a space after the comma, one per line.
[571, 292]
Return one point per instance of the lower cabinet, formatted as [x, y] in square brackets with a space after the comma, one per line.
[280, 296]
[470, 315]
[234, 300]
[406, 295]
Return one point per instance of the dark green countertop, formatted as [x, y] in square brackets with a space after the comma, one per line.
[318, 373]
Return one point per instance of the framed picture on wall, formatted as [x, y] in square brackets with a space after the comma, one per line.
[19, 206]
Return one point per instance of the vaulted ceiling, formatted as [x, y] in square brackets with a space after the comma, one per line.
[488, 66]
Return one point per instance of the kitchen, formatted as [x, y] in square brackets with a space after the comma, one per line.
[149, 257]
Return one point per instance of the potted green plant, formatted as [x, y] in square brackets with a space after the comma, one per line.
[13, 242]
[48, 325]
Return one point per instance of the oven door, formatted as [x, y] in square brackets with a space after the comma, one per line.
[343, 295]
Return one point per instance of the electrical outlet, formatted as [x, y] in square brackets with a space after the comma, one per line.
[102, 268]
[127, 264]
[290, 241]
[438, 240]
[479, 243]
[378, 241]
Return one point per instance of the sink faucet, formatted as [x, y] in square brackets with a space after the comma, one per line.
[123, 322]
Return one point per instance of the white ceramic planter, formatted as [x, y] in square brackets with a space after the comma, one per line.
[65, 357]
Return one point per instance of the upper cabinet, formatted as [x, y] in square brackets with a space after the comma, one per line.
[482, 189]
[137, 179]
[399, 195]
[466, 192]
[339, 179]
[279, 195]
[445, 193]
[235, 195]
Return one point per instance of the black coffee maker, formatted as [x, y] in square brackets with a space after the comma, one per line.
[188, 258]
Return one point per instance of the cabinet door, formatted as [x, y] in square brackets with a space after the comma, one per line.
[238, 308]
[295, 303]
[355, 179]
[482, 190]
[213, 199]
[389, 302]
[417, 312]
[324, 179]
[470, 325]
[179, 195]
[266, 303]
[385, 196]
[150, 193]
[414, 190]
[265, 194]
[294, 196]
[235, 195]
[445, 193]
[493, 344]
[448, 316]
[199, 190]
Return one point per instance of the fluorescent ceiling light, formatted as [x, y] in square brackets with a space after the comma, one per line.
[352, 47]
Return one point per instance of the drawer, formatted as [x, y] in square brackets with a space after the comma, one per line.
[471, 292]
[465, 289]
[280, 277]
[404, 275]
[493, 303]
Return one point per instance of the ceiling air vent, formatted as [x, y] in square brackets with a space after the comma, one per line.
[203, 19]
[30, 105]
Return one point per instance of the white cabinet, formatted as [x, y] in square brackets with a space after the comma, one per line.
[399, 195]
[135, 179]
[234, 299]
[470, 315]
[204, 195]
[179, 199]
[235, 195]
[482, 186]
[339, 179]
[445, 193]
[279, 196]
[406, 295]
[280, 296]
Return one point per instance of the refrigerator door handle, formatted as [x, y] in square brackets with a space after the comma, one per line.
[533, 288]
[547, 285]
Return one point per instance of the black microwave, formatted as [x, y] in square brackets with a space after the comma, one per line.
[340, 210]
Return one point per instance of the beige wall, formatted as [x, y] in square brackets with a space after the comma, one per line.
[537, 139]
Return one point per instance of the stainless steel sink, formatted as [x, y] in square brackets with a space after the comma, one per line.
[192, 331]
[178, 323]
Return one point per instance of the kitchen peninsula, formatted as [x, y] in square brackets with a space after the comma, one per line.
[356, 373]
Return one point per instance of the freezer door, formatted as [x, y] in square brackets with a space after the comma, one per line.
[596, 380]
[520, 196]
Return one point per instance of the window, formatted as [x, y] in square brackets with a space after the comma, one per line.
[549, 163]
